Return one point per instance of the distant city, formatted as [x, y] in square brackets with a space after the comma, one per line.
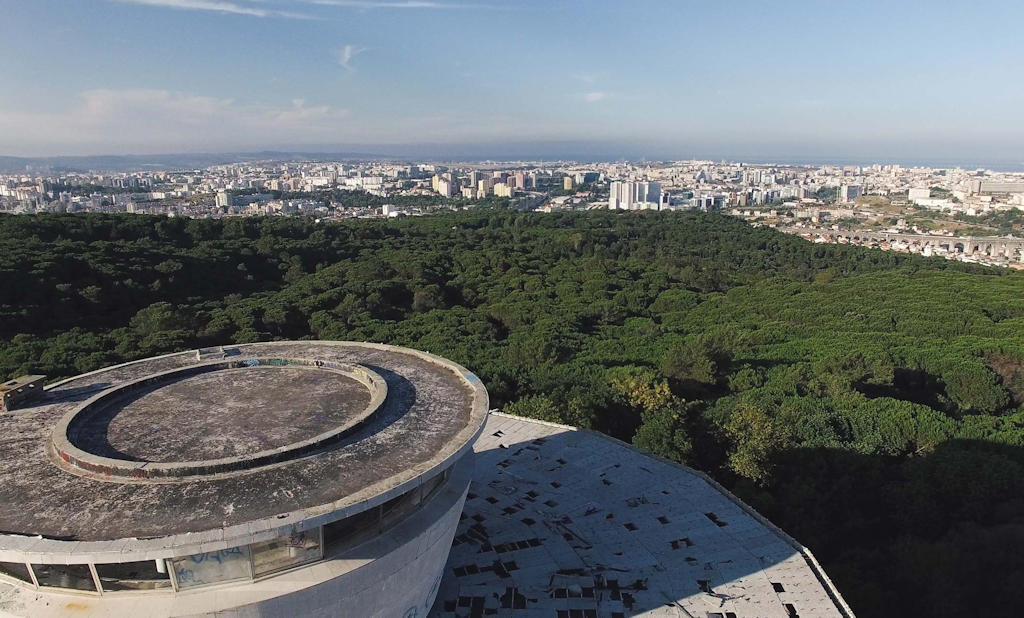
[970, 215]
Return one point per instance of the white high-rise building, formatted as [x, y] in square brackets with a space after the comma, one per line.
[447, 187]
[445, 184]
[223, 199]
[848, 193]
[634, 196]
[616, 195]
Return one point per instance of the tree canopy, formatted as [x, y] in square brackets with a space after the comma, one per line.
[867, 402]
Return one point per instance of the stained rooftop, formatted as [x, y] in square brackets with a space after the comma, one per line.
[226, 413]
[563, 523]
[432, 411]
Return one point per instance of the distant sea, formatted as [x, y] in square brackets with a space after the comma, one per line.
[581, 153]
[967, 163]
[942, 163]
[934, 163]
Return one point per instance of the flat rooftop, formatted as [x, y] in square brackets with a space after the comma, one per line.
[227, 413]
[567, 523]
[135, 433]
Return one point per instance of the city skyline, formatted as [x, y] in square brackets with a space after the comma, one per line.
[661, 80]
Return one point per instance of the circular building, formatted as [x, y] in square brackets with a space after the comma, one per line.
[269, 479]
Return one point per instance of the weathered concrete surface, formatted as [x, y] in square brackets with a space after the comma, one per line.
[225, 414]
[430, 414]
[562, 522]
[395, 575]
[88, 424]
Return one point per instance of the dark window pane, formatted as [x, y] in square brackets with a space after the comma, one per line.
[71, 576]
[396, 509]
[434, 484]
[17, 570]
[132, 576]
[351, 531]
[285, 552]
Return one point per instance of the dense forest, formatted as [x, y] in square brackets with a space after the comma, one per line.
[869, 403]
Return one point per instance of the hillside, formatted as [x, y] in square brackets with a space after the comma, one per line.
[867, 402]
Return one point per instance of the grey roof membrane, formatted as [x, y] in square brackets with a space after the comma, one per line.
[562, 523]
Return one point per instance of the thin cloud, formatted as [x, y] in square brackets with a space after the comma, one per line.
[346, 54]
[217, 6]
[149, 121]
[594, 97]
[141, 119]
[398, 4]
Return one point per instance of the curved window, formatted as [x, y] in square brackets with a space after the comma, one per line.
[395, 509]
[71, 576]
[214, 567]
[243, 563]
[286, 552]
[17, 570]
[351, 531]
[124, 576]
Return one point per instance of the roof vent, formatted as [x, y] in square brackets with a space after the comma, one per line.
[20, 391]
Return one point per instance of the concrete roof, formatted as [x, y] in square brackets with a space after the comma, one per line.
[219, 420]
[567, 523]
[18, 382]
[432, 412]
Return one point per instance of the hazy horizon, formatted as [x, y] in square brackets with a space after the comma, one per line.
[580, 152]
[856, 81]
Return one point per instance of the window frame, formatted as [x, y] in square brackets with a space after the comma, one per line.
[279, 571]
[165, 589]
[423, 491]
[4, 577]
[44, 588]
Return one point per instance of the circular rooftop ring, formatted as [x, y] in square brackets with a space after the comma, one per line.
[68, 441]
[433, 411]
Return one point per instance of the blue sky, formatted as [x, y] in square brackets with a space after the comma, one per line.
[630, 77]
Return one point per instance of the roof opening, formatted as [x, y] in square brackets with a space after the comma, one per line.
[715, 520]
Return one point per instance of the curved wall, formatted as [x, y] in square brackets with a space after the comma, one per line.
[402, 583]
[395, 574]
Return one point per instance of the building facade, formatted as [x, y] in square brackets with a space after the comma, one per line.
[277, 479]
[634, 195]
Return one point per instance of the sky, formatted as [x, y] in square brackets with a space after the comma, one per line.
[633, 78]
